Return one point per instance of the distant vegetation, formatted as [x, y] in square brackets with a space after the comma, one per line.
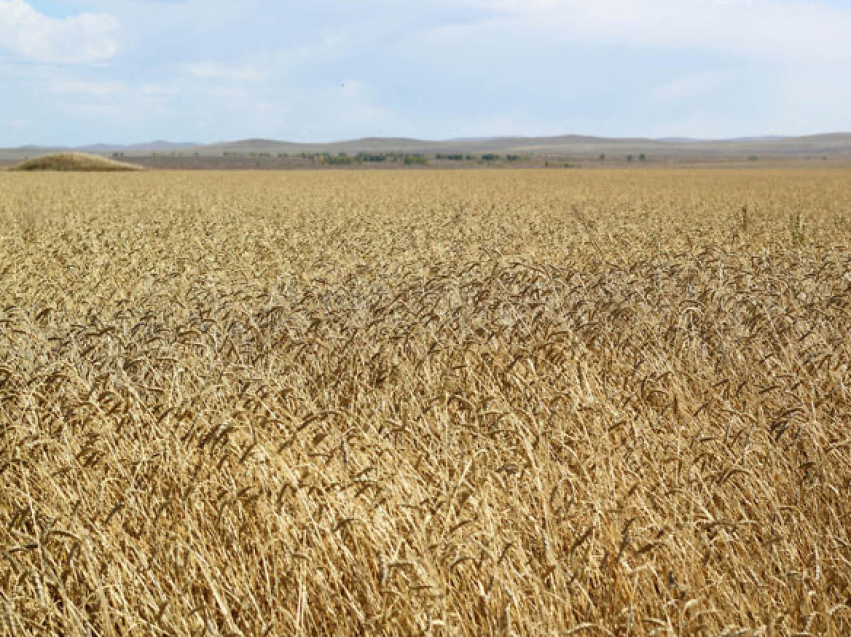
[382, 157]
[416, 160]
[74, 162]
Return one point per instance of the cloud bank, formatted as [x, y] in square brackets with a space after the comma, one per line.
[767, 29]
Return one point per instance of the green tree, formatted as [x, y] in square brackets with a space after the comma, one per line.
[415, 160]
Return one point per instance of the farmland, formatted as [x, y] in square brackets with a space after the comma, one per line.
[444, 403]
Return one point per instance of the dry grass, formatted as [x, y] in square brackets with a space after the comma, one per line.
[530, 403]
[73, 162]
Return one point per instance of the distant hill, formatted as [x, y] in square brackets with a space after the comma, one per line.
[150, 147]
[764, 138]
[573, 145]
[579, 146]
[30, 151]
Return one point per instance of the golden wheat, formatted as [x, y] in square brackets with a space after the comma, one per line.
[468, 403]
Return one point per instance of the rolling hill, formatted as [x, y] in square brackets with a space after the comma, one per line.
[579, 146]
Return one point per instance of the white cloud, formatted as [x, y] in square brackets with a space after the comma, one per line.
[767, 29]
[208, 70]
[32, 36]
[87, 89]
[690, 86]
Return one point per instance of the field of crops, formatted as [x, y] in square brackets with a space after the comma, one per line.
[467, 403]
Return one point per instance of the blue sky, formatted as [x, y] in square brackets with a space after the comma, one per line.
[83, 71]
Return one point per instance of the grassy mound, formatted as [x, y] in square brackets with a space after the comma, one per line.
[74, 162]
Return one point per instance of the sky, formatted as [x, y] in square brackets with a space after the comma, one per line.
[75, 72]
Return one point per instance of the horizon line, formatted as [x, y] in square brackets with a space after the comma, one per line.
[476, 138]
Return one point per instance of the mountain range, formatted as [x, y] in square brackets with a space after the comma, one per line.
[579, 146]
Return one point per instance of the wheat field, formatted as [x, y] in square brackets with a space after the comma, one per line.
[426, 403]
